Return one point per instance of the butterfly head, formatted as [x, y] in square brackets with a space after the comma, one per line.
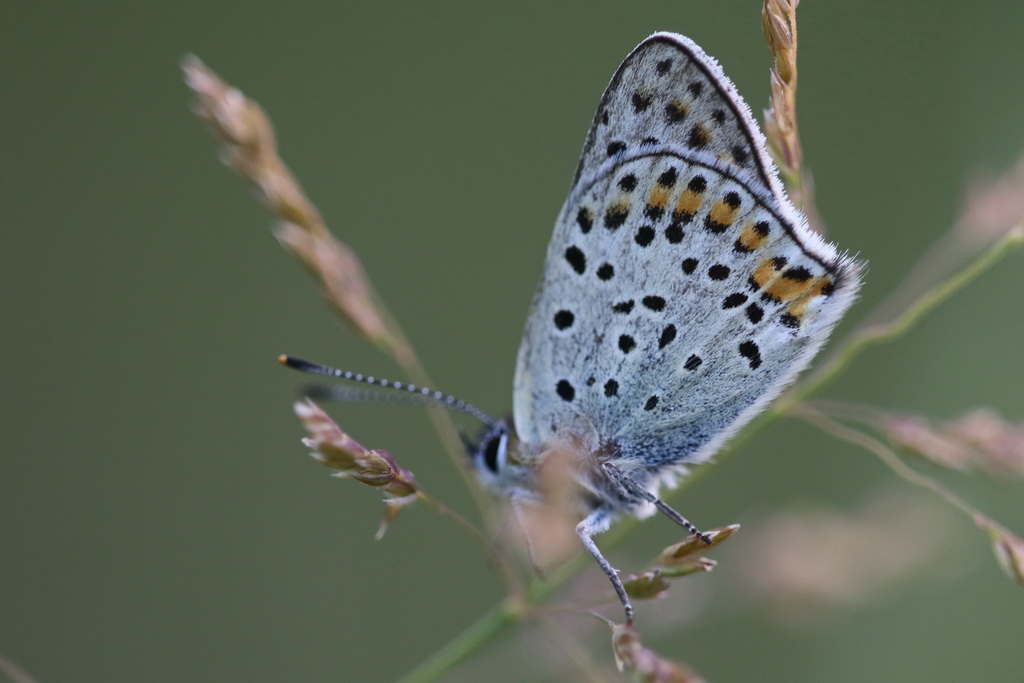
[565, 471]
[495, 457]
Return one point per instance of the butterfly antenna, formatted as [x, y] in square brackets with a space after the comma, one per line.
[423, 393]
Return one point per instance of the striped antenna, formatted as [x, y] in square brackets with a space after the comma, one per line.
[421, 394]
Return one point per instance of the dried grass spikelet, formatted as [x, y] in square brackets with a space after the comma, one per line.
[648, 585]
[778, 19]
[334, 448]
[675, 561]
[979, 439]
[680, 559]
[994, 205]
[340, 274]
[1008, 547]
[645, 664]
[808, 562]
[248, 146]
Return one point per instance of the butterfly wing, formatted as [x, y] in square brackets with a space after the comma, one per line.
[668, 91]
[681, 292]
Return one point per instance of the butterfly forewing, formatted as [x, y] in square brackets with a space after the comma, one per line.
[680, 292]
[668, 91]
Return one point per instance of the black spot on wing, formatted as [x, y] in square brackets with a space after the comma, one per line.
[668, 334]
[644, 235]
[564, 319]
[641, 101]
[574, 256]
[585, 219]
[752, 353]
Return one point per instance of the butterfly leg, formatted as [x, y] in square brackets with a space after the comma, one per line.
[594, 523]
[633, 488]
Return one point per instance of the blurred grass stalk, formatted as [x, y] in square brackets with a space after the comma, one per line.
[13, 672]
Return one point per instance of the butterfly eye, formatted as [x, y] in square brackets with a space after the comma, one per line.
[495, 451]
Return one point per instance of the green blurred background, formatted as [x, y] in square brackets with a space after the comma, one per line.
[159, 520]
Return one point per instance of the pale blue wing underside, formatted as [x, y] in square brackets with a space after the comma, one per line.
[681, 291]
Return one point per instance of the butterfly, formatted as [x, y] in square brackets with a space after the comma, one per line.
[681, 293]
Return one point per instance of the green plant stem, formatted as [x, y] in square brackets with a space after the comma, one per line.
[888, 456]
[506, 613]
[500, 617]
[898, 326]
[512, 610]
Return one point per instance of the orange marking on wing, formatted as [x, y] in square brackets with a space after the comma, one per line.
[765, 273]
[689, 202]
[770, 279]
[814, 288]
[621, 206]
[750, 238]
[722, 213]
[785, 289]
[659, 197]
